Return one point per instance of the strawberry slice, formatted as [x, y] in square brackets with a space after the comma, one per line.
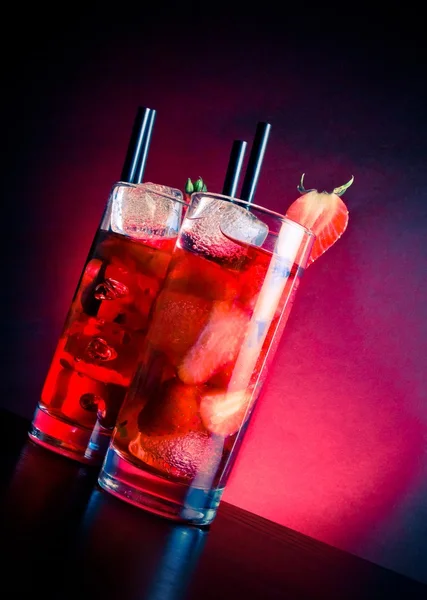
[175, 410]
[223, 413]
[217, 345]
[324, 213]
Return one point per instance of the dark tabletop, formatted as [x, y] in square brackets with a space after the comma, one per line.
[62, 537]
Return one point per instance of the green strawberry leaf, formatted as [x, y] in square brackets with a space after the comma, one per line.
[189, 187]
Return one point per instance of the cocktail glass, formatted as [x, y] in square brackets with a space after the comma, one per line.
[213, 332]
[98, 349]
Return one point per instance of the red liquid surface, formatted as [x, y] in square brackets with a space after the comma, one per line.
[205, 359]
[99, 347]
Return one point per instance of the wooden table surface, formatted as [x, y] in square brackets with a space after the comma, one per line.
[63, 537]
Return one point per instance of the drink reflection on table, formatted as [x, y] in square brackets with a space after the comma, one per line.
[42, 505]
[135, 555]
[45, 489]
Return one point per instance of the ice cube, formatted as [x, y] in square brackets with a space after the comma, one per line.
[176, 323]
[179, 455]
[222, 229]
[195, 275]
[146, 210]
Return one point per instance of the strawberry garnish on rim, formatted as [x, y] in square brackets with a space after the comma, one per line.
[324, 213]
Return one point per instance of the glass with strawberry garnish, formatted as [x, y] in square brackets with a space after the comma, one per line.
[213, 332]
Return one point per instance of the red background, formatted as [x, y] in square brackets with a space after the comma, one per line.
[337, 448]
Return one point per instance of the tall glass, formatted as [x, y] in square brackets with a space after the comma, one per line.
[98, 349]
[213, 332]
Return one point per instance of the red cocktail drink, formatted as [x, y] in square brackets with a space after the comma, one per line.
[99, 347]
[213, 331]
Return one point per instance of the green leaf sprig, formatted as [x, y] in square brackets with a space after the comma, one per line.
[198, 186]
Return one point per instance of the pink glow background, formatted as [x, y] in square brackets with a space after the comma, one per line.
[337, 448]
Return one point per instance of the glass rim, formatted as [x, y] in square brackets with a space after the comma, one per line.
[163, 194]
[267, 211]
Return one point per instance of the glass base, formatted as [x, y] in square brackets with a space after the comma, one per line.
[87, 446]
[166, 498]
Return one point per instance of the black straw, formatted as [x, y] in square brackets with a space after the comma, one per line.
[234, 168]
[138, 146]
[255, 161]
[145, 147]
